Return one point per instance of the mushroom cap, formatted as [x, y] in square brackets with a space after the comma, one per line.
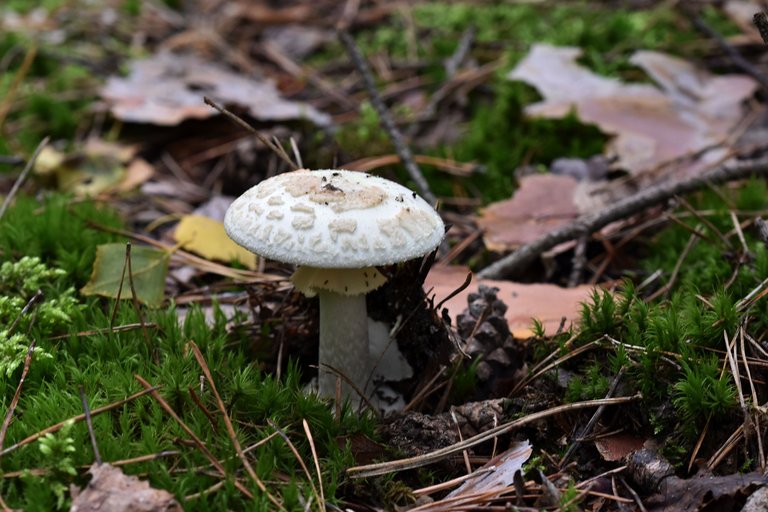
[333, 219]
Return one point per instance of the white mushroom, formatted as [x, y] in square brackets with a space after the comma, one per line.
[337, 226]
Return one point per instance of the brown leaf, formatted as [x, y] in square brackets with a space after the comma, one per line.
[542, 203]
[617, 446]
[167, 89]
[111, 489]
[690, 110]
[487, 483]
[544, 302]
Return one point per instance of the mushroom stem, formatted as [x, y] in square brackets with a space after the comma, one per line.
[343, 342]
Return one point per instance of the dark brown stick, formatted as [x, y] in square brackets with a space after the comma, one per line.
[739, 61]
[402, 149]
[515, 263]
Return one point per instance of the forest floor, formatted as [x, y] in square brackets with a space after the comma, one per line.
[590, 335]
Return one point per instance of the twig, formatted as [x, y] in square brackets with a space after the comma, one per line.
[17, 394]
[37, 297]
[579, 260]
[80, 417]
[591, 423]
[442, 453]
[402, 149]
[519, 260]
[275, 149]
[89, 424]
[453, 62]
[739, 61]
[22, 177]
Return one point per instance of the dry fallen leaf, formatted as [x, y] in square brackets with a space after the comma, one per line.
[545, 302]
[542, 203]
[486, 484]
[167, 89]
[112, 490]
[616, 446]
[207, 237]
[690, 110]
[96, 167]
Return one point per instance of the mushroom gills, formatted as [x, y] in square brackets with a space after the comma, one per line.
[344, 281]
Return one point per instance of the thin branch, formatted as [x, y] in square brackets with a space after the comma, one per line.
[737, 59]
[402, 149]
[592, 421]
[518, 261]
[442, 453]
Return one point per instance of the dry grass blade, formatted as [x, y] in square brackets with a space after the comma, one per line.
[199, 442]
[545, 365]
[593, 420]
[22, 177]
[79, 417]
[10, 92]
[107, 330]
[89, 424]
[84, 469]
[316, 460]
[450, 166]
[758, 429]
[275, 149]
[423, 460]
[296, 454]
[17, 394]
[228, 422]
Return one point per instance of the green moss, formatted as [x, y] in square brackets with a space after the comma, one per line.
[498, 136]
[668, 345]
[105, 365]
[59, 233]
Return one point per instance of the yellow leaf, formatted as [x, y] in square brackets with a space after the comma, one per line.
[207, 237]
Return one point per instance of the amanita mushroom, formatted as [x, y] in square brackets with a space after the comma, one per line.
[337, 226]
